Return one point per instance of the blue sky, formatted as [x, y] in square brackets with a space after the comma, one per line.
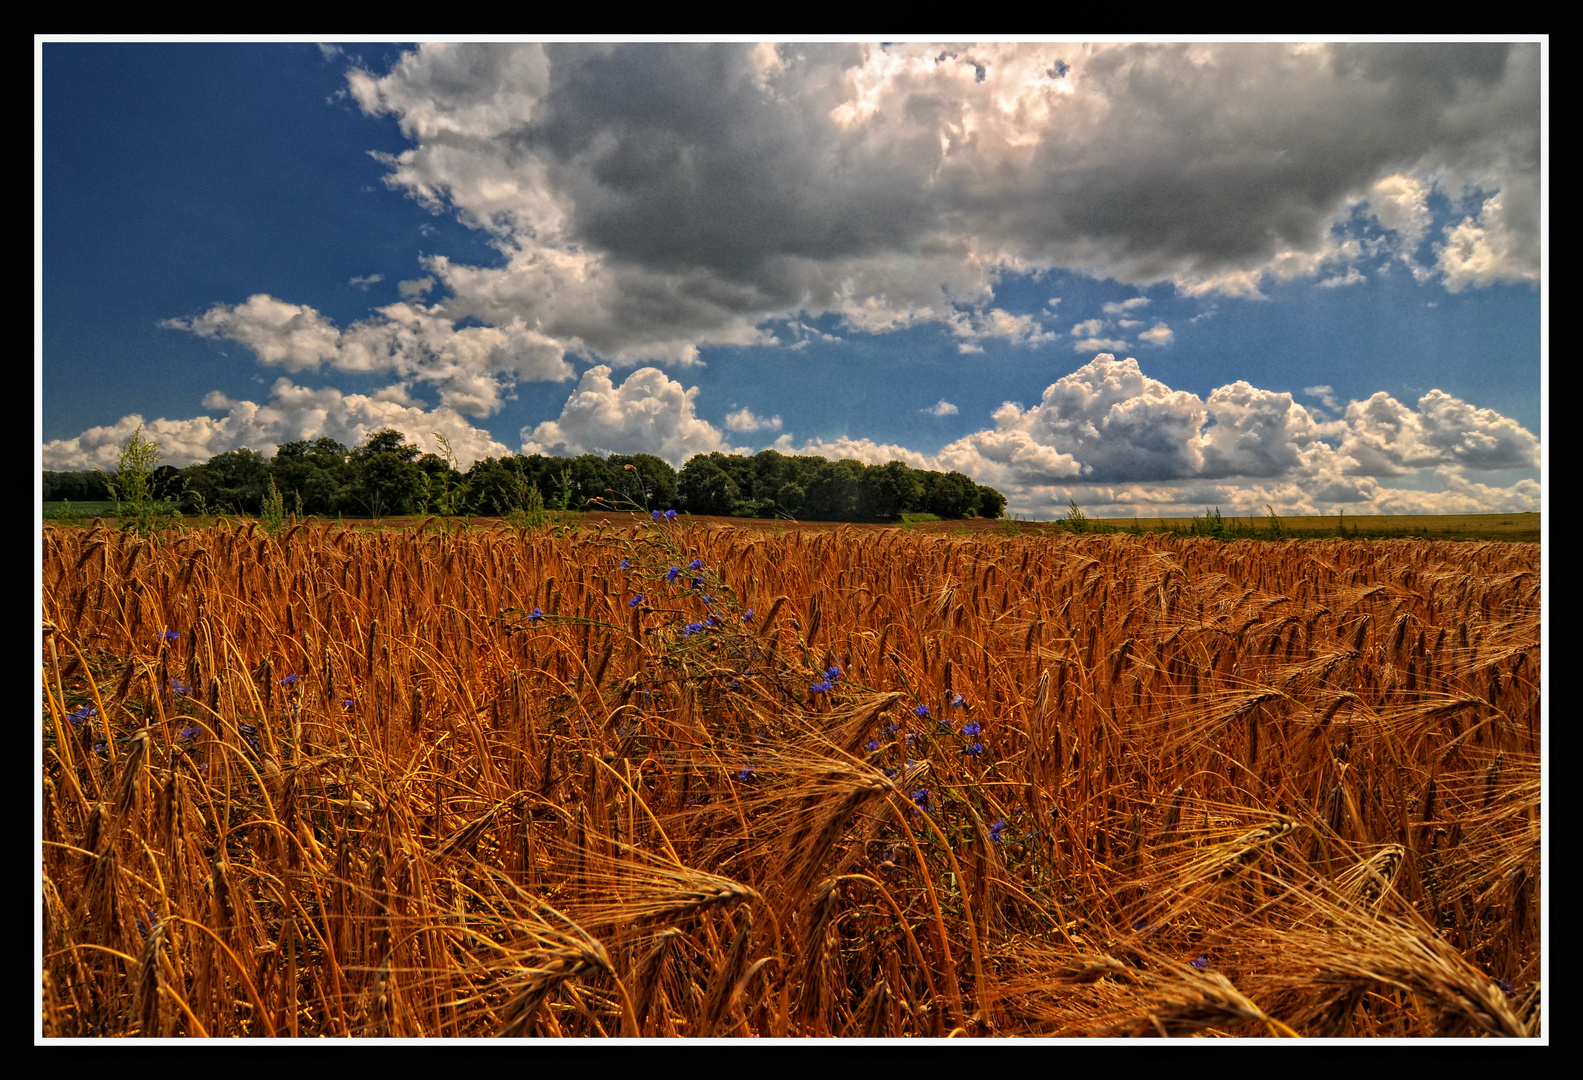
[1151, 278]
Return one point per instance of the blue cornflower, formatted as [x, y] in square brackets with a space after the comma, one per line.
[921, 711]
[692, 628]
[1199, 962]
[974, 750]
[995, 829]
[169, 635]
[873, 744]
[819, 687]
[181, 689]
[945, 726]
[187, 732]
[890, 774]
[81, 714]
[698, 582]
[832, 673]
[635, 601]
[656, 514]
[347, 703]
[736, 686]
[696, 564]
[670, 515]
[957, 701]
[1505, 986]
[535, 615]
[746, 774]
[626, 564]
[670, 575]
[712, 620]
[708, 599]
[912, 740]
[971, 728]
[290, 680]
[747, 616]
[921, 797]
[891, 728]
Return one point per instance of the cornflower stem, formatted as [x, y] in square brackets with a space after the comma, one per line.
[252, 992]
[954, 998]
[102, 715]
[980, 991]
[901, 921]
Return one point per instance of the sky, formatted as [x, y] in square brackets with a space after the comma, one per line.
[1146, 278]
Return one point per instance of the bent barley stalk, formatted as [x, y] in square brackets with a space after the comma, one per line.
[697, 780]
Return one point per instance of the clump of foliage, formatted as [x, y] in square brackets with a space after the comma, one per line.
[132, 489]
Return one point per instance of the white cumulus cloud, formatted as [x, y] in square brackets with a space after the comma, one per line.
[744, 420]
[470, 366]
[1123, 443]
[1484, 250]
[292, 412]
[1125, 305]
[1351, 277]
[1325, 394]
[940, 408]
[1098, 344]
[649, 413]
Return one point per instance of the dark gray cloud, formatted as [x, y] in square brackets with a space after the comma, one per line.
[651, 199]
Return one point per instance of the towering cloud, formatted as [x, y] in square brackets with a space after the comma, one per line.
[646, 414]
[652, 199]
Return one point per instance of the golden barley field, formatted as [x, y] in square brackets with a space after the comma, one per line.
[665, 779]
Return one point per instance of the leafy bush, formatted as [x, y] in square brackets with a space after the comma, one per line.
[132, 489]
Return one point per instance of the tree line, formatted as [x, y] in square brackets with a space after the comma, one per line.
[387, 476]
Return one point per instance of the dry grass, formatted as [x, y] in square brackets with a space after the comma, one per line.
[1248, 789]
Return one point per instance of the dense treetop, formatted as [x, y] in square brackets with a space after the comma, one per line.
[388, 476]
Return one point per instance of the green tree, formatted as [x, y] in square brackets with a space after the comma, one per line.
[832, 493]
[235, 481]
[592, 478]
[385, 476]
[790, 498]
[76, 486]
[705, 488]
[950, 495]
[887, 491]
[644, 480]
[497, 486]
[991, 503]
[132, 488]
[388, 441]
[387, 485]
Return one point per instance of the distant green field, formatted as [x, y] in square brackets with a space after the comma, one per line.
[1519, 528]
[70, 511]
